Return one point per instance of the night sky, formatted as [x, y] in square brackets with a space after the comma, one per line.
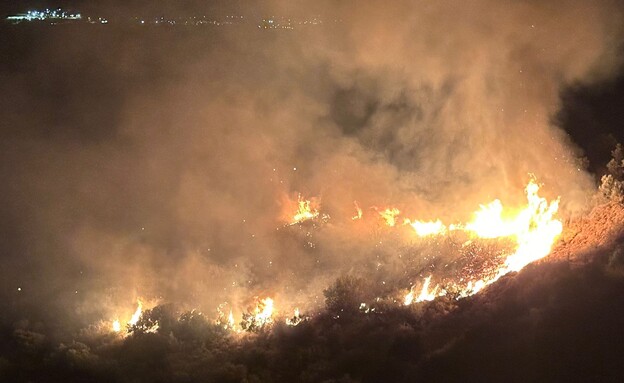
[165, 162]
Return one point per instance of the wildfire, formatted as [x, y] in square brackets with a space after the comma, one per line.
[230, 321]
[116, 325]
[425, 294]
[424, 229]
[261, 316]
[264, 311]
[304, 211]
[137, 313]
[538, 231]
[533, 228]
[389, 215]
[296, 318]
[226, 321]
[358, 211]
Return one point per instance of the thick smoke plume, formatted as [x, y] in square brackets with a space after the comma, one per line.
[165, 163]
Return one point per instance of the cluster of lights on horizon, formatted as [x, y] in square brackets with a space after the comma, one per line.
[47, 14]
[58, 15]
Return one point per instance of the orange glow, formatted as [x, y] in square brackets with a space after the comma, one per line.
[533, 228]
[358, 211]
[389, 215]
[137, 314]
[304, 211]
[424, 229]
[116, 324]
[529, 233]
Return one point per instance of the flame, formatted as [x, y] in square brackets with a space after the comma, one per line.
[304, 211]
[137, 314]
[264, 312]
[389, 215]
[474, 287]
[409, 297]
[226, 321]
[533, 228]
[296, 319]
[489, 222]
[116, 324]
[231, 322]
[424, 229]
[358, 211]
[425, 294]
[539, 230]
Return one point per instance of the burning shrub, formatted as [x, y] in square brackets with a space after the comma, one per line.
[159, 319]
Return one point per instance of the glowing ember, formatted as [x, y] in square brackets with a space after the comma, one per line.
[304, 211]
[389, 215]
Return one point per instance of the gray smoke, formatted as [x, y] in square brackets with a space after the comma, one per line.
[164, 163]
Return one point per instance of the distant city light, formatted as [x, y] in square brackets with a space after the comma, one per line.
[47, 14]
[60, 16]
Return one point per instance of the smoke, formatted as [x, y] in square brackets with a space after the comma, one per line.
[162, 162]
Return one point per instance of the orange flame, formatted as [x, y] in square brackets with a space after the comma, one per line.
[264, 312]
[389, 215]
[423, 228]
[116, 324]
[534, 229]
[137, 314]
[304, 211]
[358, 211]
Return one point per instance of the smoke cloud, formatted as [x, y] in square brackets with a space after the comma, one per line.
[166, 162]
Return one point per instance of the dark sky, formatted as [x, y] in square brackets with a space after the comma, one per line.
[594, 118]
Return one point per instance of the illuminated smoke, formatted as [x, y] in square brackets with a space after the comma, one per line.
[164, 171]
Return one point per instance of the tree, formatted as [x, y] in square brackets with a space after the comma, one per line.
[615, 167]
[612, 183]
